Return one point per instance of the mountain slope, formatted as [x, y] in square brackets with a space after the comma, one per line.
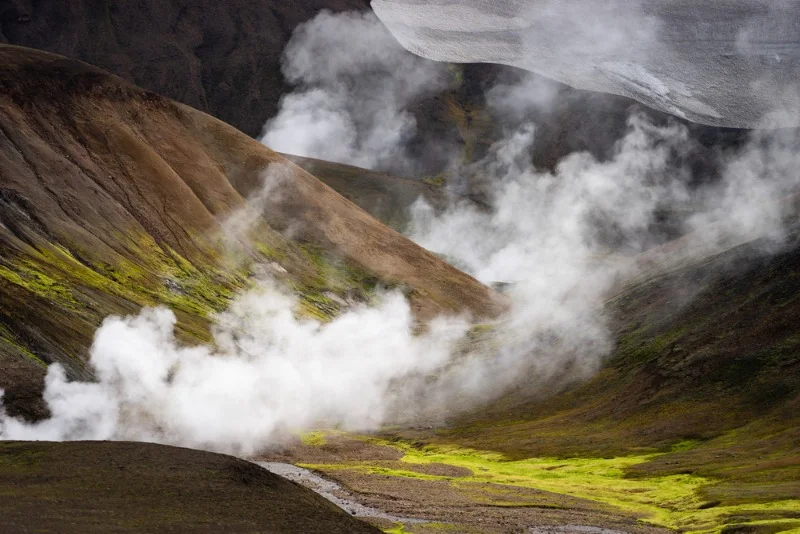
[113, 198]
[387, 198]
[691, 425]
[140, 487]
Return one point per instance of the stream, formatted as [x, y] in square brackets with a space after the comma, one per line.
[573, 529]
[332, 491]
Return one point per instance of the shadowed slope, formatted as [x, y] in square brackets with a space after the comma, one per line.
[387, 198]
[220, 57]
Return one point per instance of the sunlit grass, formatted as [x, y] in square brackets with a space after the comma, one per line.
[314, 439]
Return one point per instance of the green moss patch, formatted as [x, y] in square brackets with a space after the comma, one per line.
[676, 501]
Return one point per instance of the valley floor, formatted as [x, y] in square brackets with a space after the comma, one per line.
[453, 489]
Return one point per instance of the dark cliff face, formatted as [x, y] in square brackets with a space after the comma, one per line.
[219, 57]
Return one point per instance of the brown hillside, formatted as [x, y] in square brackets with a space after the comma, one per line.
[385, 197]
[112, 197]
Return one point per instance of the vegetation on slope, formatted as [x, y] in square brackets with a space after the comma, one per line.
[702, 394]
[112, 198]
[679, 501]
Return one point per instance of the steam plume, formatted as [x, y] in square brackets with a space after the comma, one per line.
[355, 84]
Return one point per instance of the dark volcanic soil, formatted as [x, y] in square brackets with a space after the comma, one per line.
[135, 487]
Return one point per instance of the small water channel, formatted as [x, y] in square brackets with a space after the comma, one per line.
[332, 491]
[573, 529]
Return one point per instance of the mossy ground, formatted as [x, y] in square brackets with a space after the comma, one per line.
[55, 296]
[674, 501]
[693, 424]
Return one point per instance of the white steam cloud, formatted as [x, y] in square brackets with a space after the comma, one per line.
[267, 374]
[561, 239]
[355, 84]
[722, 63]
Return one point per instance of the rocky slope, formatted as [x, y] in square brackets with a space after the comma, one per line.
[113, 198]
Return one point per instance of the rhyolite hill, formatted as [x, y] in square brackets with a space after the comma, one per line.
[113, 198]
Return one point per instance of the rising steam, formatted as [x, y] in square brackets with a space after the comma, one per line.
[561, 239]
[268, 374]
[355, 86]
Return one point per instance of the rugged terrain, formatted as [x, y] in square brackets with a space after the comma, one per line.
[114, 197]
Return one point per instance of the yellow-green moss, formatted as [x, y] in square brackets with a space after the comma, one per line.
[314, 439]
[672, 501]
[7, 337]
[439, 180]
[398, 528]
[456, 74]
[25, 275]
